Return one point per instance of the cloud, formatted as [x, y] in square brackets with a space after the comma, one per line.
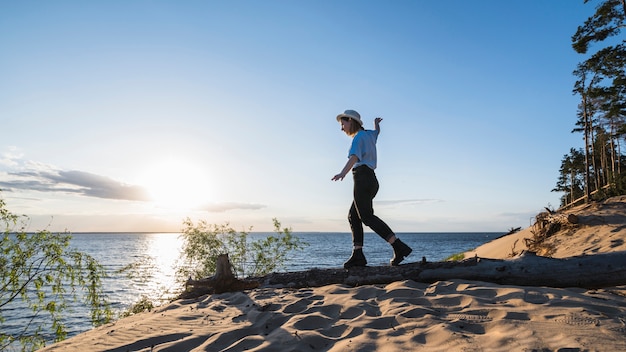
[11, 157]
[72, 182]
[35, 176]
[227, 206]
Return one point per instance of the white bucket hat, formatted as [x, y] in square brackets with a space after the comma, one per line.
[351, 114]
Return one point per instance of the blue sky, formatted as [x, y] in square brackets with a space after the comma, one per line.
[133, 115]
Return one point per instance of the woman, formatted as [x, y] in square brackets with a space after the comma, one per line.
[362, 162]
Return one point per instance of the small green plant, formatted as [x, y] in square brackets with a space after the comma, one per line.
[203, 243]
[143, 305]
[40, 271]
[456, 257]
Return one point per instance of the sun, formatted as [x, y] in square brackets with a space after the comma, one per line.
[177, 184]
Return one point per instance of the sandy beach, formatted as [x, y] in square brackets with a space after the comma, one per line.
[455, 315]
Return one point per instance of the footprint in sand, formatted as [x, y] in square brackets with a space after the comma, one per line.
[328, 310]
[298, 306]
[578, 320]
[535, 297]
[352, 313]
[479, 318]
[517, 316]
[313, 322]
[368, 292]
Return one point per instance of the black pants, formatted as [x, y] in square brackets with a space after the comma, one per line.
[362, 211]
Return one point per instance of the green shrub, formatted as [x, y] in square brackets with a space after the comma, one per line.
[203, 243]
[143, 305]
[40, 271]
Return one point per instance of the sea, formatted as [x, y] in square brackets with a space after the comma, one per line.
[157, 254]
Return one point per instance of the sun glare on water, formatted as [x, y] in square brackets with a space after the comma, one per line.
[178, 184]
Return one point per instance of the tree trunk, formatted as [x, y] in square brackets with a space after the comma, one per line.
[601, 270]
[592, 271]
[528, 269]
[611, 179]
[586, 138]
[223, 281]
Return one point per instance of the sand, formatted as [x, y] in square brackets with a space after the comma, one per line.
[456, 315]
[601, 228]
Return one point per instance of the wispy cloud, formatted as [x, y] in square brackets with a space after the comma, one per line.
[11, 157]
[24, 175]
[227, 206]
[34, 176]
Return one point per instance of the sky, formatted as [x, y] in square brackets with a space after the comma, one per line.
[136, 115]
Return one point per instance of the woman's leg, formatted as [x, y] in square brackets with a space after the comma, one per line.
[357, 258]
[365, 189]
[356, 226]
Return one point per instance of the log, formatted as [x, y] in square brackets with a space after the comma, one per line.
[528, 269]
[590, 271]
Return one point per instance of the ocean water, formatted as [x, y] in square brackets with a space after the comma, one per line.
[158, 254]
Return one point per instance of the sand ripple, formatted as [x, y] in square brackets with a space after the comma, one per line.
[403, 316]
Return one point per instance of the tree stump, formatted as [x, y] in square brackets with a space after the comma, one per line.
[224, 280]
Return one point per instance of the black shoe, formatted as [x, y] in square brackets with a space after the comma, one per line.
[400, 251]
[357, 259]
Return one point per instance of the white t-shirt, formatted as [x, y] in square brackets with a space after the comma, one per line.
[364, 148]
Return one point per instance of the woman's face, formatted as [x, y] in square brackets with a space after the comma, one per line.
[345, 125]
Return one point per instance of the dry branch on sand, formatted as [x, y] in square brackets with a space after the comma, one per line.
[547, 224]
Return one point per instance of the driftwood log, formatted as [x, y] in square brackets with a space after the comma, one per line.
[528, 269]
